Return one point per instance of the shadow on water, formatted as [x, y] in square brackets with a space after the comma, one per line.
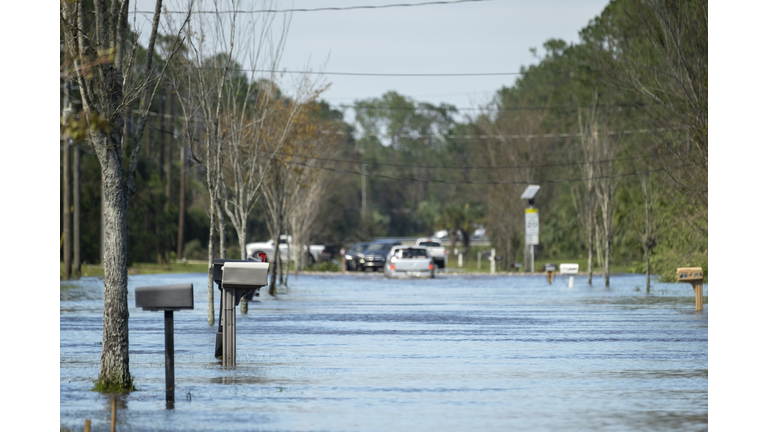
[363, 353]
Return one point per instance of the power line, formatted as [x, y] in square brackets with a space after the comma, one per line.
[487, 182]
[521, 108]
[422, 75]
[374, 163]
[319, 9]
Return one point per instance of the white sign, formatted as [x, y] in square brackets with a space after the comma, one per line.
[569, 268]
[532, 226]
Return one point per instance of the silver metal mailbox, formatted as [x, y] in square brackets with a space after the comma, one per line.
[244, 275]
[165, 297]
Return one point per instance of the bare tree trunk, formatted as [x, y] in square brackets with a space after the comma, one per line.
[607, 276]
[182, 202]
[66, 211]
[211, 257]
[169, 169]
[114, 352]
[591, 247]
[65, 208]
[76, 215]
[647, 269]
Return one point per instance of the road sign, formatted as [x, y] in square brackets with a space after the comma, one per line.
[531, 226]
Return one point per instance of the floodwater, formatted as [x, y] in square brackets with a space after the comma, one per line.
[363, 353]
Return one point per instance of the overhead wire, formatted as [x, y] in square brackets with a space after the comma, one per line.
[485, 182]
[323, 9]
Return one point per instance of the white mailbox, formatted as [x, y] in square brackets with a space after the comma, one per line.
[569, 268]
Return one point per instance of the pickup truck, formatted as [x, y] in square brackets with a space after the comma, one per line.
[409, 261]
[315, 253]
[435, 249]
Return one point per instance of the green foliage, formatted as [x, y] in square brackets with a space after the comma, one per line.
[329, 266]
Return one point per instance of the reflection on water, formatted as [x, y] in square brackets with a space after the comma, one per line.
[359, 352]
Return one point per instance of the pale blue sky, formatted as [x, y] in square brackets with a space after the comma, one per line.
[491, 36]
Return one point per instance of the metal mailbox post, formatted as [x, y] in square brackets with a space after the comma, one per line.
[218, 265]
[569, 269]
[237, 278]
[694, 276]
[167, 298]
[550, 269]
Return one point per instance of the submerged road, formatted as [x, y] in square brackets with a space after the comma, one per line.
[363, 353]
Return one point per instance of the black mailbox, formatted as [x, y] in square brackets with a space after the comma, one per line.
[166, 297]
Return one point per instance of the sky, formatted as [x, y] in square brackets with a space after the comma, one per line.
[474, 37]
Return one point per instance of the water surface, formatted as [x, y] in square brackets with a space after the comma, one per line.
[363, 353]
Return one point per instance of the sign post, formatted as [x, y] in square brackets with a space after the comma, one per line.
[532, 232]
[531, 221]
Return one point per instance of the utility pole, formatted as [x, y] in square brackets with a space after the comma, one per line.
[362, 212]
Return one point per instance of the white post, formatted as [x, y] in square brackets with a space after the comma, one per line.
[493, 261]
[460, 259]
[570, 282]
[533, 260]
[478, 260]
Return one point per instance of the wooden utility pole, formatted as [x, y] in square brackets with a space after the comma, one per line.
[362, 211]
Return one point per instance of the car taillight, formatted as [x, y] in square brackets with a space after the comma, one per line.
[431, 267]
[392, 267]
[445, 252]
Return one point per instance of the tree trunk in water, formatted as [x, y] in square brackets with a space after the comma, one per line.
[66, 213]
[211, 239]
[222, 231]
[273, 267]
[591, 245]
[182, 209]
[76, 215]
[243, 256]
[607, 276]
[647, 270]
[114, 352]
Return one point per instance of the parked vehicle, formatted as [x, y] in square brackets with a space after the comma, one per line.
[314, 253]
[354, 255]
[409, 261]
[435, 248]
[375, 254]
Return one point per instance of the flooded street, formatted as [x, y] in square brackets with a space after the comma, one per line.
[363, 353]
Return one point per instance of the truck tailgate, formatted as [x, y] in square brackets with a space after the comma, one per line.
[412, 264]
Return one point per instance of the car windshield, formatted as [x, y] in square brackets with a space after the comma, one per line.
[429, 244]
[379, 247]
[414, 253]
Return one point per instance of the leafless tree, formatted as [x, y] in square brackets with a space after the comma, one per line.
[110, 84]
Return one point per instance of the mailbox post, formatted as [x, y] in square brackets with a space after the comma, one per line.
[550, 269]
[237, 279]
[167, 298]
[569, 269]
[218, 265]
[694, 276]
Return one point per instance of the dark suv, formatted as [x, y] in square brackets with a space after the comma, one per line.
[375, 255]
[354, 255]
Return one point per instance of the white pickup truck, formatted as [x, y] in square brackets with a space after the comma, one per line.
[409, 261]
[435, 249]
[315, 253]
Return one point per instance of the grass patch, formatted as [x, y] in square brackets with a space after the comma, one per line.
[90, 270]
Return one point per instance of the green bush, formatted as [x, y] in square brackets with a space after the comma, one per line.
[328, 266]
